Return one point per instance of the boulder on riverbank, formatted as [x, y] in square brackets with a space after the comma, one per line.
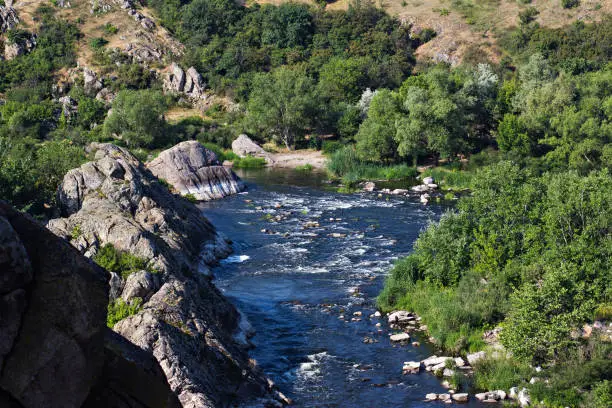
[55, 348]
[187, 324]
[192, 169]
[244, 146]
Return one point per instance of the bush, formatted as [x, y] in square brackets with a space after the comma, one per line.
[97, 43]
[306, 168]
[123, 263]
[119, 310]
[568, 4]
[249, 162]
[331, 146]
[500, 373]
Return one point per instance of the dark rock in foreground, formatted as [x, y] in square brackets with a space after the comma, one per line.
[55, 348]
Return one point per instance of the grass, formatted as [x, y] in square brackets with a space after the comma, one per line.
[119, 310]
[450, 178]
[345, 166]
[305, 168]
[249, 162]
[500, 373]
[123, 263]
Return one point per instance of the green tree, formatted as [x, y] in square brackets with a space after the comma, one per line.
[137, 117]
[376, 136]
[282, 105]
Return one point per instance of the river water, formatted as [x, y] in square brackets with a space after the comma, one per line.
[295, 281]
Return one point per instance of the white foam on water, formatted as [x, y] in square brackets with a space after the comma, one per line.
[235, 259]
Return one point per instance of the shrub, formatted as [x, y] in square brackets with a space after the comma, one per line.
[528, 15]
[119, 310]
[568, 4]
[306, 167]
[331, 146]
[97, 43]
[123, 263]
[249, 162]
[191, 198]
[500, 373]
[110, 29]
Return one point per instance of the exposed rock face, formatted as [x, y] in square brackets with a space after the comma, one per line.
[51, 296]
[187, 324]
[189, 83]
[243, 146]
[91, 83]
[55, 348]
[192, 169]
[130, 377]
[8, 16]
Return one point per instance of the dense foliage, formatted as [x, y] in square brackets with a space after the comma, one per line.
[530, 250]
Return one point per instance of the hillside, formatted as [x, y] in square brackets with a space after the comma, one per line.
[469, 29]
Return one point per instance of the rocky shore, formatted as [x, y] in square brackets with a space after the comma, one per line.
[55, 348]
[183, 320]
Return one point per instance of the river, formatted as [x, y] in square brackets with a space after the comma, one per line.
[294, 284]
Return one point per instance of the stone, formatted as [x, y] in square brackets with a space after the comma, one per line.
[474, 357]
[91, 83]
[412, 367]
[369, 186]
[421, 188]
[428, 180]
[377, 314]
[177, 77]
[431, 397]
[434, 361]
[105, 95]
[116, 286]
[197, 83]
[448, 372]
[400, 337]
[459, 362]
[130, 377]
[192, 169]
[400, 317]
[56, 303]
[141, 284]
[147, 23]
[460, 397]
[399, 191]
[424, 198]
[187, 324]
[444, 397]
[523, 397]
[243, 146]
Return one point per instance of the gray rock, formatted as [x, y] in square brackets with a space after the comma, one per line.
[177, 78]
[116, 286]
[55, 357]
[400, 337]
[243, 146]
[141, 284]
[369, 186]
[91, 84]
[192, 169]
[475, 357]
[428, 180]
[187, 324]
[147, 23]
[131, 377]
[8, 16]
[460, 397]
[198, 83]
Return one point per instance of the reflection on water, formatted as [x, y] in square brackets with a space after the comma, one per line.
[307, 266]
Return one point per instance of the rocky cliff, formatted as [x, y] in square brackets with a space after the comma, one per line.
[192, 169]
[55, 348]
[185, 322]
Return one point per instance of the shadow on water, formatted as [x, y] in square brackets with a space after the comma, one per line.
[308, 263]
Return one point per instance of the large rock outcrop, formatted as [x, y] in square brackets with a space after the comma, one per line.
[192, 169]
[55, 348]
[186, 324]
[189, 83]
[244, 146]
[8, 16]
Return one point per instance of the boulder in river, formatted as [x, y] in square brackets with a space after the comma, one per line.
[460, 397]
[474, 357]
[193, 169]
[400, 337]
